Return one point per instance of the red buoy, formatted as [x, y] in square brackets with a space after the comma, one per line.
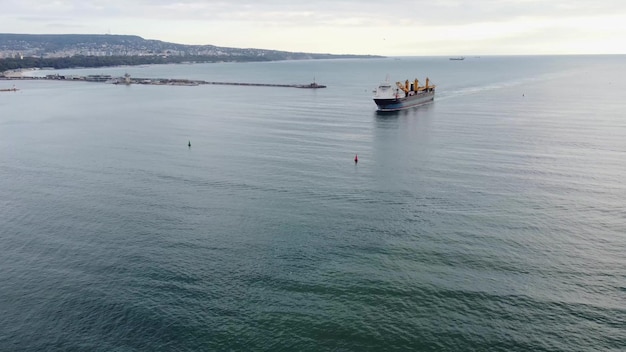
[356, 158]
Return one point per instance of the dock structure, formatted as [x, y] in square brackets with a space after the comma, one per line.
[310, 85]
[127, 80]
[12, 89]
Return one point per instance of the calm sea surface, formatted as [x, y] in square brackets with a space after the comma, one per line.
[493, 219]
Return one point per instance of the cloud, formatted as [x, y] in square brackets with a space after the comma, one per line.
[333, 24]
[347, 12]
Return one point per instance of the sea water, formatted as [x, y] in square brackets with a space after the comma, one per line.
[492, 219]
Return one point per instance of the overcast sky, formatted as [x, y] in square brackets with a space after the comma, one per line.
[389, 27]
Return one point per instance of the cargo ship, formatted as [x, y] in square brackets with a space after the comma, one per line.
[402, 96]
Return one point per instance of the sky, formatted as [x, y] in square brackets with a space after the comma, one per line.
[377, 27]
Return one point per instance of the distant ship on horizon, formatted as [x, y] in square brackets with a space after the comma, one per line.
[458, 58]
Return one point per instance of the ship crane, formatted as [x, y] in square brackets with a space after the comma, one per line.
[428, 86]
[403, 87]
[415, 87]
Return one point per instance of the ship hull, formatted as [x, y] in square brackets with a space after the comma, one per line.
[395, 104]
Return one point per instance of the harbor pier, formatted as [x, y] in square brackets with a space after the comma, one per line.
[127, 80]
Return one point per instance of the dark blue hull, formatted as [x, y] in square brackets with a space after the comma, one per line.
[402, 103]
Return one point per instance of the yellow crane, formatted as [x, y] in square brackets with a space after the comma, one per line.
[405, 87]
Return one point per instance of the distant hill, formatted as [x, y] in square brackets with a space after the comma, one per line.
[68, 45]
[52, 42]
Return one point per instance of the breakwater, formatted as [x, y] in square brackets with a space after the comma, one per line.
[127, 80]
[310, 85]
